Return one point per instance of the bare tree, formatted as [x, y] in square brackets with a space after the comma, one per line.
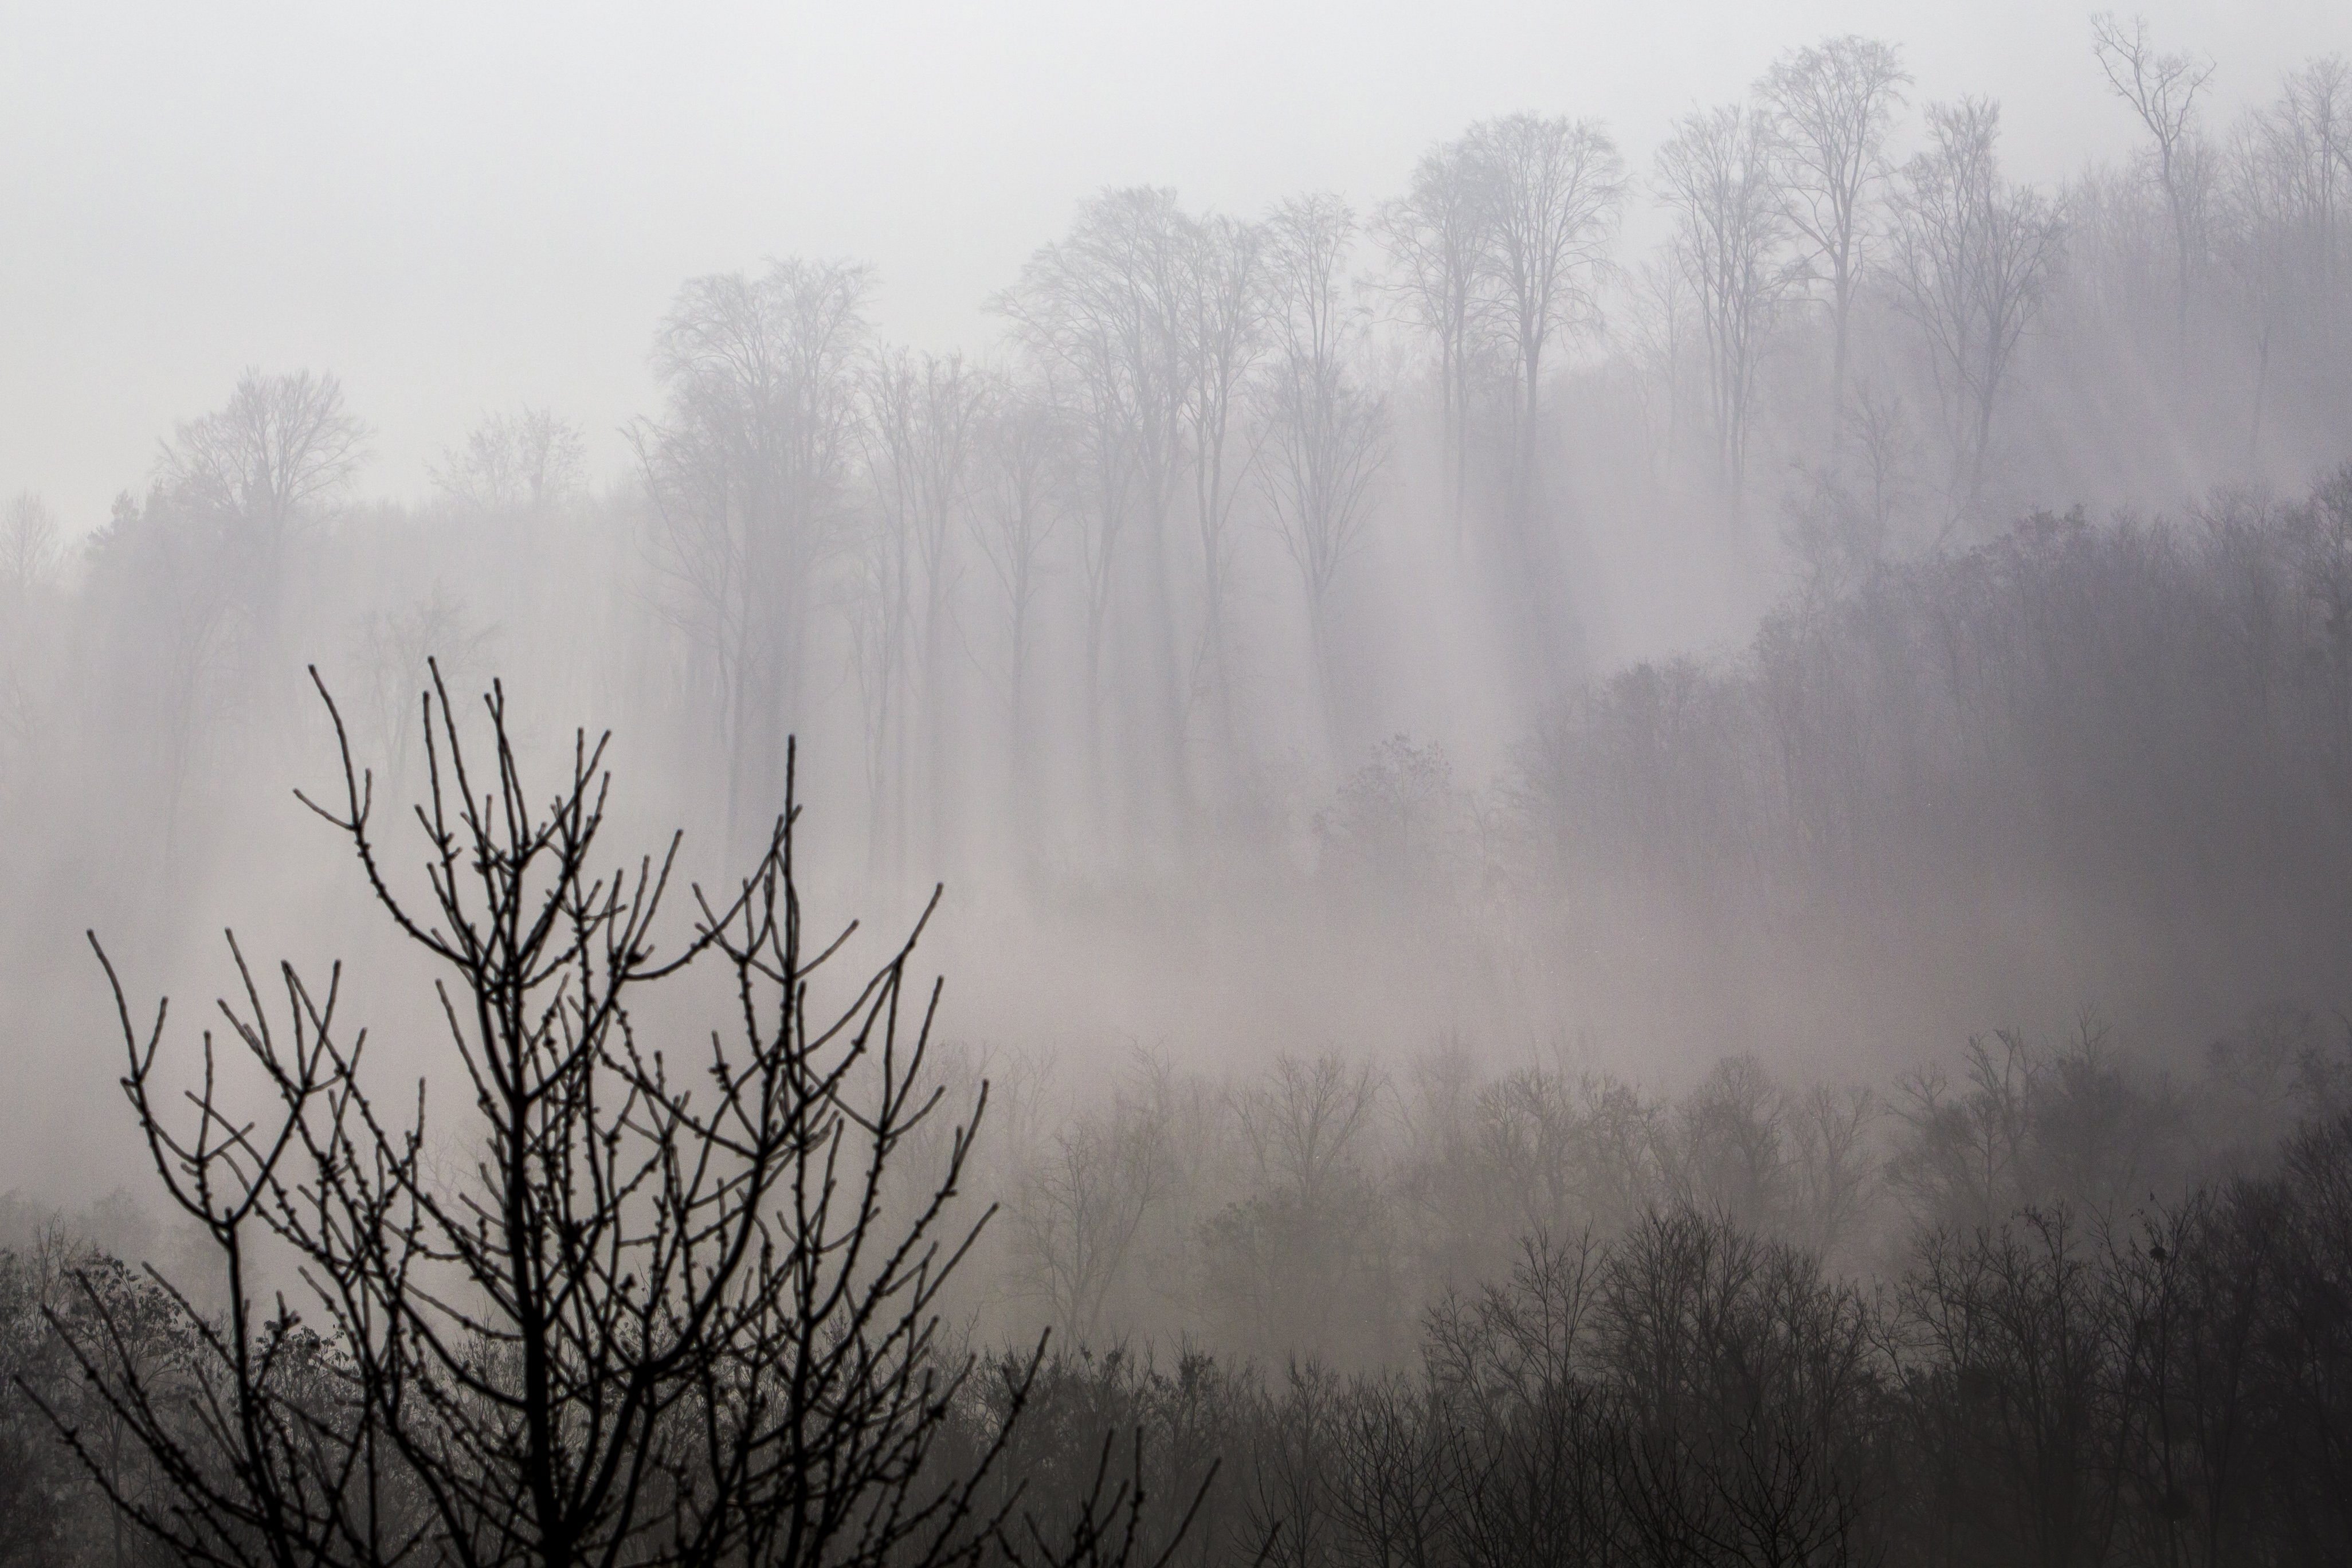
[747, 478]
[1730, 230]
[1660, 336]
[1436, 238]
[280, 446]
[1831, 106]
[279, 450]
[2311, 127]
[1221, 304]
[1974, 258]
[1024, 497]
[30, 548]
[2282, 221]
[526, 463]
[1325, 436]
[30, 552]
[1550, 190]
[1296, 1261]
[883, 572]
[1391, 1492]
[928, 412]
[666, 1318]
[1833, 1166]
[1303, 1128]
[2162, 90]
[1079, 1205]
[1099, 313]
[394, 644]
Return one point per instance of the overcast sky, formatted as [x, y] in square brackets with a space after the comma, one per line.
[460, 208]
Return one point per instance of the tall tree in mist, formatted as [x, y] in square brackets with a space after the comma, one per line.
[1831, 106]
[280, 449]
[1436, 237]
[1097, 310]
[882, 586]
[1082, 1200]
[31, 551]
[1325, 433]
[2310, 131]
[930, 412]
[1220, 313]
[1974, 258]
[2162, 90]
[526, 463]
[1551, 188]
[196, 577]
[1024, 494]
[1659, 334]
[2282, 220]
[747, 473]
[1730, 241]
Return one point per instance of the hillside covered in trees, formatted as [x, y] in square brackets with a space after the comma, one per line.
[1639, 860]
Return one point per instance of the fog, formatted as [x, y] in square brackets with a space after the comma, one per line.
[489, 246]
[1705, 630]
[459, 210]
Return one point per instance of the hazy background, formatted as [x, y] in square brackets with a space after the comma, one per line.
[463, 208]
[1598, 748]
[1630, 872]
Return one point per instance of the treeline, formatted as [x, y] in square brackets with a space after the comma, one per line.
[1318, 1208]
[2060, 1310]
[2046, 1389]
[2122, 751]
[1237, 495]
[2088, 762]
[2163, 706]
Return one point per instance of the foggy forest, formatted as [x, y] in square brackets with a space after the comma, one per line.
[1641, 854]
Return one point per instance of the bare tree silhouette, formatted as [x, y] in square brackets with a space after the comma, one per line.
[670, 1315]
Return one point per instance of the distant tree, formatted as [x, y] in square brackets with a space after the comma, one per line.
[30, 552]
[1659, 334]
[395, 643]
[280, 446]
[2162, 90]
[1099, 313]
[929, 414]
[1727, 1153]
[1023, 497]
[746, 475]
[282, 449]
[1222, 305]
[1829, 107]
[1325, 434]
[1436, 239]
[1295, 1263]
[30, 549]
[1078, 1206]
[1715, 174]
[525, 463]
[1974, 259]
[2281, 224]
[172, 596]
[1549, 191]
[884, 580]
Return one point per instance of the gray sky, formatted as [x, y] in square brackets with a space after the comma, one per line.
[460, 208]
